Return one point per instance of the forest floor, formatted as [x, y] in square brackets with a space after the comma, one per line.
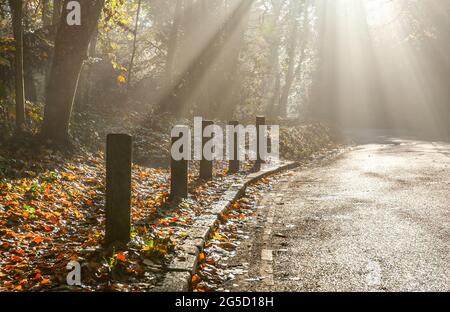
[52, 209]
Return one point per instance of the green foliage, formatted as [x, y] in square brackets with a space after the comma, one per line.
[51, 176]
[159, 247]
[31, 211]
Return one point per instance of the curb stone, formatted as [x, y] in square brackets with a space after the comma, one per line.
[181, 269]
[174, 282]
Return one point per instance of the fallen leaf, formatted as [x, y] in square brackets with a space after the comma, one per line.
[48, 228]
[37, 277]
[217, 236]
[121, 257]
[38, 239]
[16, 258]
[19, 252]
[195, 279]
[201, 257]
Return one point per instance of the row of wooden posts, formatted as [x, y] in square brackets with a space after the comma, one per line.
[118, 179]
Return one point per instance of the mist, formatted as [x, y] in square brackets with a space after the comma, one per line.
[383, 64]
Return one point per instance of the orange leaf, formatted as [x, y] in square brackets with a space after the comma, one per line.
[5, 245]
[16, 258]
[12, 203]
[19, 252]
[201, 257]
[36, 277]
[121, 257]
[38, 239]
[195, 279]
[45, 281]
[47, 228]
[71, 177]
[47, 189]
[236, 205]
[53, 219]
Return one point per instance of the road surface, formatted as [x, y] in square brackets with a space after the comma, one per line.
[375, 219]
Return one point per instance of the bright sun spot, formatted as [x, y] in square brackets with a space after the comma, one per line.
[381, 12]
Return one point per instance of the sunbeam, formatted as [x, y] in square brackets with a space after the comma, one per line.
[376, 72]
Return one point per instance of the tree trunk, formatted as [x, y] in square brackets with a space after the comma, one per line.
[200, 92]
[30, 84]
[324, 87]
[236, 27]
[70, 50]
[199, 60]
[17, 13]
[133, 51]
[45, 15]
[172, 44]
[29, 79]
[291, 52]
[272, 83]
[56, 15]
[220, 84]
[88, 84]
[170, 98]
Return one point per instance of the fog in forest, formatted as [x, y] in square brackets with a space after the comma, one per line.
[384, 64]
[348, 63]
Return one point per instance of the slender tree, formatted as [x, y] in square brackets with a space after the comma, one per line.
[56, 15]
[45, 13]
[88, 81]
[323, 90]
[133, 50]
[17, 16]
[236, 27]
[292, 56]
[172, 44]
[272, 81]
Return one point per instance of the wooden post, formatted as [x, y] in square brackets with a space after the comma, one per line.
[233, 165]
[260, 121]
[206, 166]
[178, 176]
[118, 188]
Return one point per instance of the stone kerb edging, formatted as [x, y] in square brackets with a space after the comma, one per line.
[178, 277]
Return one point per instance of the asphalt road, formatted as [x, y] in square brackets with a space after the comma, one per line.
[375, 219]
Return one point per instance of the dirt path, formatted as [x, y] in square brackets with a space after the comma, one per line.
[376, 219]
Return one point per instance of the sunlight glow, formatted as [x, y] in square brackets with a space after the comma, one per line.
[373, 66]
[381, 12]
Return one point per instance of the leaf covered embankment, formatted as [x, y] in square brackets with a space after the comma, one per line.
[302, 141]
